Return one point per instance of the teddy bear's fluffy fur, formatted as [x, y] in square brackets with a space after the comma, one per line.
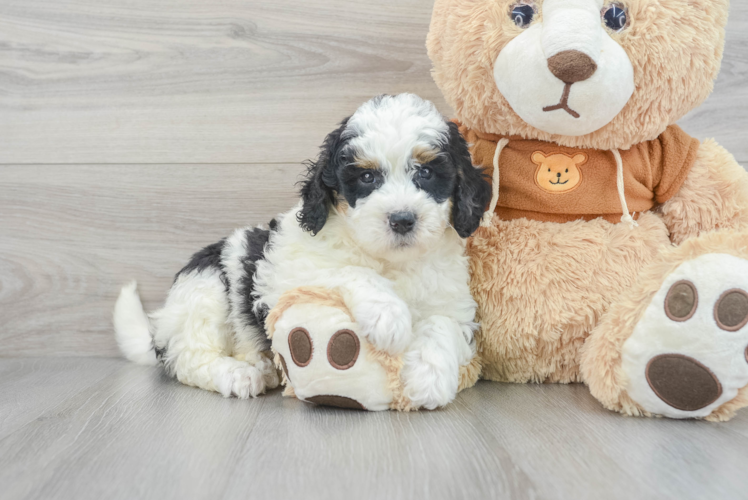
[525, 265]
[558, 301]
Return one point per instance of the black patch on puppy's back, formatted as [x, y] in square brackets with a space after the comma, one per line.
[210, 257]
[207, 258]
[257, 240]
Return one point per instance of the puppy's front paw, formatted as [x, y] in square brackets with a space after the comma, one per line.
[238, 378]
[248, 381]
[385, 320]
[431, 367]
[431, 378]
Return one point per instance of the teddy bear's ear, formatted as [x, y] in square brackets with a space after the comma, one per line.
[538, 158]
[472, 190]
[321, 182]
[580, 159]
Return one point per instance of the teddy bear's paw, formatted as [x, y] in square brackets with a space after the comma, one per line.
[688, 355]
[386, 322]
[327, 361]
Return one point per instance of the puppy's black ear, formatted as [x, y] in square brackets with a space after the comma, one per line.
[473, 190]
[321, 182]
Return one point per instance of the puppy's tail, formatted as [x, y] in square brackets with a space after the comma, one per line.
[132, 329]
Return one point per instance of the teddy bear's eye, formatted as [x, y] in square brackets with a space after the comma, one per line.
[615, 17]
[523, 14]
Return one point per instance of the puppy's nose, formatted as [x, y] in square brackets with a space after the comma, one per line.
[572, 66]
[402, 222]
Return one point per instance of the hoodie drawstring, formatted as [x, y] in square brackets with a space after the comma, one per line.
[621, 191]
[488, 216]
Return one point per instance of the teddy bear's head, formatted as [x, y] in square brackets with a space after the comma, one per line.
[582, 73]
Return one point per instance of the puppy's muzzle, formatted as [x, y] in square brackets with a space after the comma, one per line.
[402, 222]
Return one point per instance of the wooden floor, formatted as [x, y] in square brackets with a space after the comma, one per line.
[102, 428]
[133, 132]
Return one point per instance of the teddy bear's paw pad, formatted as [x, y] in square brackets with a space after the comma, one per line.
[731, 311]
[343, 349]
[327, 360]
[300, 346]
[688, 355]
[337, 402]
[683, 382]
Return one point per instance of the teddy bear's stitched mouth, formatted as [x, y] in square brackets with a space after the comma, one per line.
[559, 183]
[564, 104]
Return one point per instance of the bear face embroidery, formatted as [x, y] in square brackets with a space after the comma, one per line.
[558, 173]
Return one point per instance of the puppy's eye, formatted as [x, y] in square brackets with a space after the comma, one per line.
[367, 178]
[425, 173]
[523, 14]
[615, 16]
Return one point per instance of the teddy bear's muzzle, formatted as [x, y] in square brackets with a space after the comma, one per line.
[565, 74]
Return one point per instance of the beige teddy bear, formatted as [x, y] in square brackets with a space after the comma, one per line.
[615, 248]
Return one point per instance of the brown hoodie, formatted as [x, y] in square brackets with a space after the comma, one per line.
[547, 182]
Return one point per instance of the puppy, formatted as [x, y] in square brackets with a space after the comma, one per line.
[381, 220]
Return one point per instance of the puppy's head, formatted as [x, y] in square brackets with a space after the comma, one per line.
[398, 174]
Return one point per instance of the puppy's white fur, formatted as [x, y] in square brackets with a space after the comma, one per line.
[421, 306]
[409, 293]
[132, 328]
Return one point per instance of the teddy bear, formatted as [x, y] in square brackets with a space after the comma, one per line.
[615, 248]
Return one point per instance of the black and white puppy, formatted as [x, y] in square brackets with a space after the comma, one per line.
[381, 220]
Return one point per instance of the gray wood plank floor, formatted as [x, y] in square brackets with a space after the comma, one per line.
[102, 428]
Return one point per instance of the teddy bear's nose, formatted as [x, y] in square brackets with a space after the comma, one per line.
[572, 66]
[558, 174]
